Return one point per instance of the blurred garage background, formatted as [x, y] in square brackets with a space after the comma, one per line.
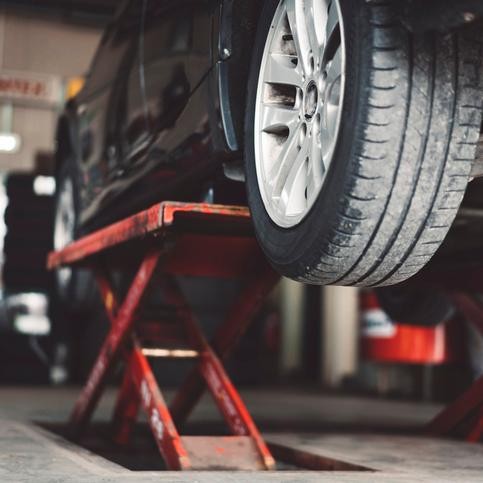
[45, 48]
[333, 338]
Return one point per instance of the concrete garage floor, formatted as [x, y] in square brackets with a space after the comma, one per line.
[346, 432]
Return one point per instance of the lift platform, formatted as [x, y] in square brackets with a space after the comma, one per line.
[165, 241]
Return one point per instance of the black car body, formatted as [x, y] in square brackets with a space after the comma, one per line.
[171, 110]
[161, 113]
[155, 118]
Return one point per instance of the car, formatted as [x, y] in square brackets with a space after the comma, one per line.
[353, 124]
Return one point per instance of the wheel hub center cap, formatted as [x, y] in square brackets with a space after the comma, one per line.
[311, 99]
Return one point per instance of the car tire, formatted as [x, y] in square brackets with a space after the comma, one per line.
[78, 320]
[409, 128]
[75, 292]
[28, 239]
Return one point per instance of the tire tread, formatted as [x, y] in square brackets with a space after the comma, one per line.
[426, 71]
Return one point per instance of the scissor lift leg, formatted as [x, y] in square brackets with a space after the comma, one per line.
[126, 409]
[211, 370]
[112, 347]
[159, 419]
[184, 452]
[465, 415]
[249, 302]
[139, 387]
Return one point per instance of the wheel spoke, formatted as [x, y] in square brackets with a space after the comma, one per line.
[334, 70]
[312, 16]
[332, 112]
[320, 8]
[328, 132]
[276, 117]
[293, 197]
[330, 115]
[316, 169]
[282, 70]
[296, 19]
[325, 138]
[282, 165]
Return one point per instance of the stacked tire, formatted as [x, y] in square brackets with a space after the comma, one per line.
[28, 239]
[28, 221]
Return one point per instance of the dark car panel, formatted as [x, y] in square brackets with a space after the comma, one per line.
[101, 108]
[163, 105]
[146, 118]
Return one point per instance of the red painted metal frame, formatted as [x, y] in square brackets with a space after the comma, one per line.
[139, 388]
[214, 254]
[465, 415]
[148, 222]
[257, 287]
[210, 368]
[159, 418]
[110, 351]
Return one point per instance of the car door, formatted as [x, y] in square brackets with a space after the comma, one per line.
[106, 106]
[130, 121]
[176, 50]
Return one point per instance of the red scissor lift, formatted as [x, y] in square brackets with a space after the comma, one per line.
[190, 239]
[175, 239]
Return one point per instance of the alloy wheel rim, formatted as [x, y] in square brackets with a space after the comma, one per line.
[299, 105]
[64, 228]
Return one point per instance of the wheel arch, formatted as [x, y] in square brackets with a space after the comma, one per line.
[239, 24]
